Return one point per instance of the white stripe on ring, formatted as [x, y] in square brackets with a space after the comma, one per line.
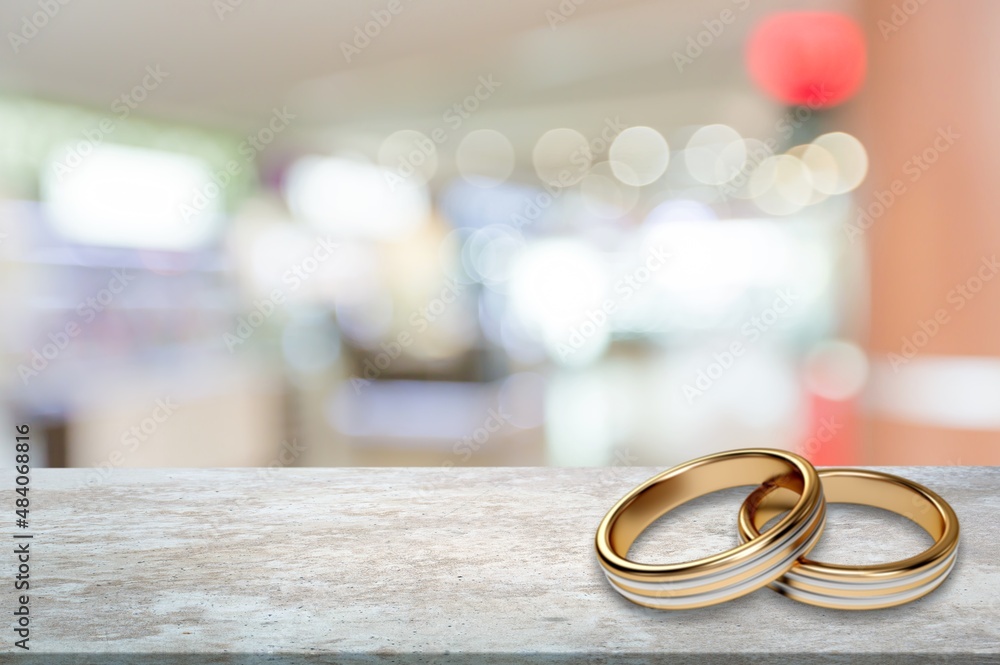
[931, 578]
[811, 527]
[718, 594]
[719, 576]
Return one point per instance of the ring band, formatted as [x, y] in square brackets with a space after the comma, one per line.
[730, 574]
[863, 587]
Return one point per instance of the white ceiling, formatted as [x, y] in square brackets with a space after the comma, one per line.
[607, 59]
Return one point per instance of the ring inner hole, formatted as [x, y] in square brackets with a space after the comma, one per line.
[671, 492]
[857, 535]
[701, 527]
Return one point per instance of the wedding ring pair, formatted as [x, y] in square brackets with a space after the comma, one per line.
[789, 485]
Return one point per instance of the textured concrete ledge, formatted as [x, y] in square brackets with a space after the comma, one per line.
[446, 566]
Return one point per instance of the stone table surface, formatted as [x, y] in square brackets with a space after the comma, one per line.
[447, 565]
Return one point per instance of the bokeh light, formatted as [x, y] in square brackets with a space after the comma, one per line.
[715, 154]
[812, 58]
[851, 159]
[606, 195]
[822, 166]
[485, 157]
[409, 156]
[489, 252]
[781, 185]
[562, 157]
[639, 156]
[836, 369]
[680, 210]
[350, 198]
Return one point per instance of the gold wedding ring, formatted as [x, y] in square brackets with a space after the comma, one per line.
[730, 574]
[862, 587]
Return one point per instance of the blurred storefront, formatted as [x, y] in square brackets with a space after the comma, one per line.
[498, 238]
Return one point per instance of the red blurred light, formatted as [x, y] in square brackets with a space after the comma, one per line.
[833, 436]
[813, 58]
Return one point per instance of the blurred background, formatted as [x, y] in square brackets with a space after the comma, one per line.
[432, 232]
